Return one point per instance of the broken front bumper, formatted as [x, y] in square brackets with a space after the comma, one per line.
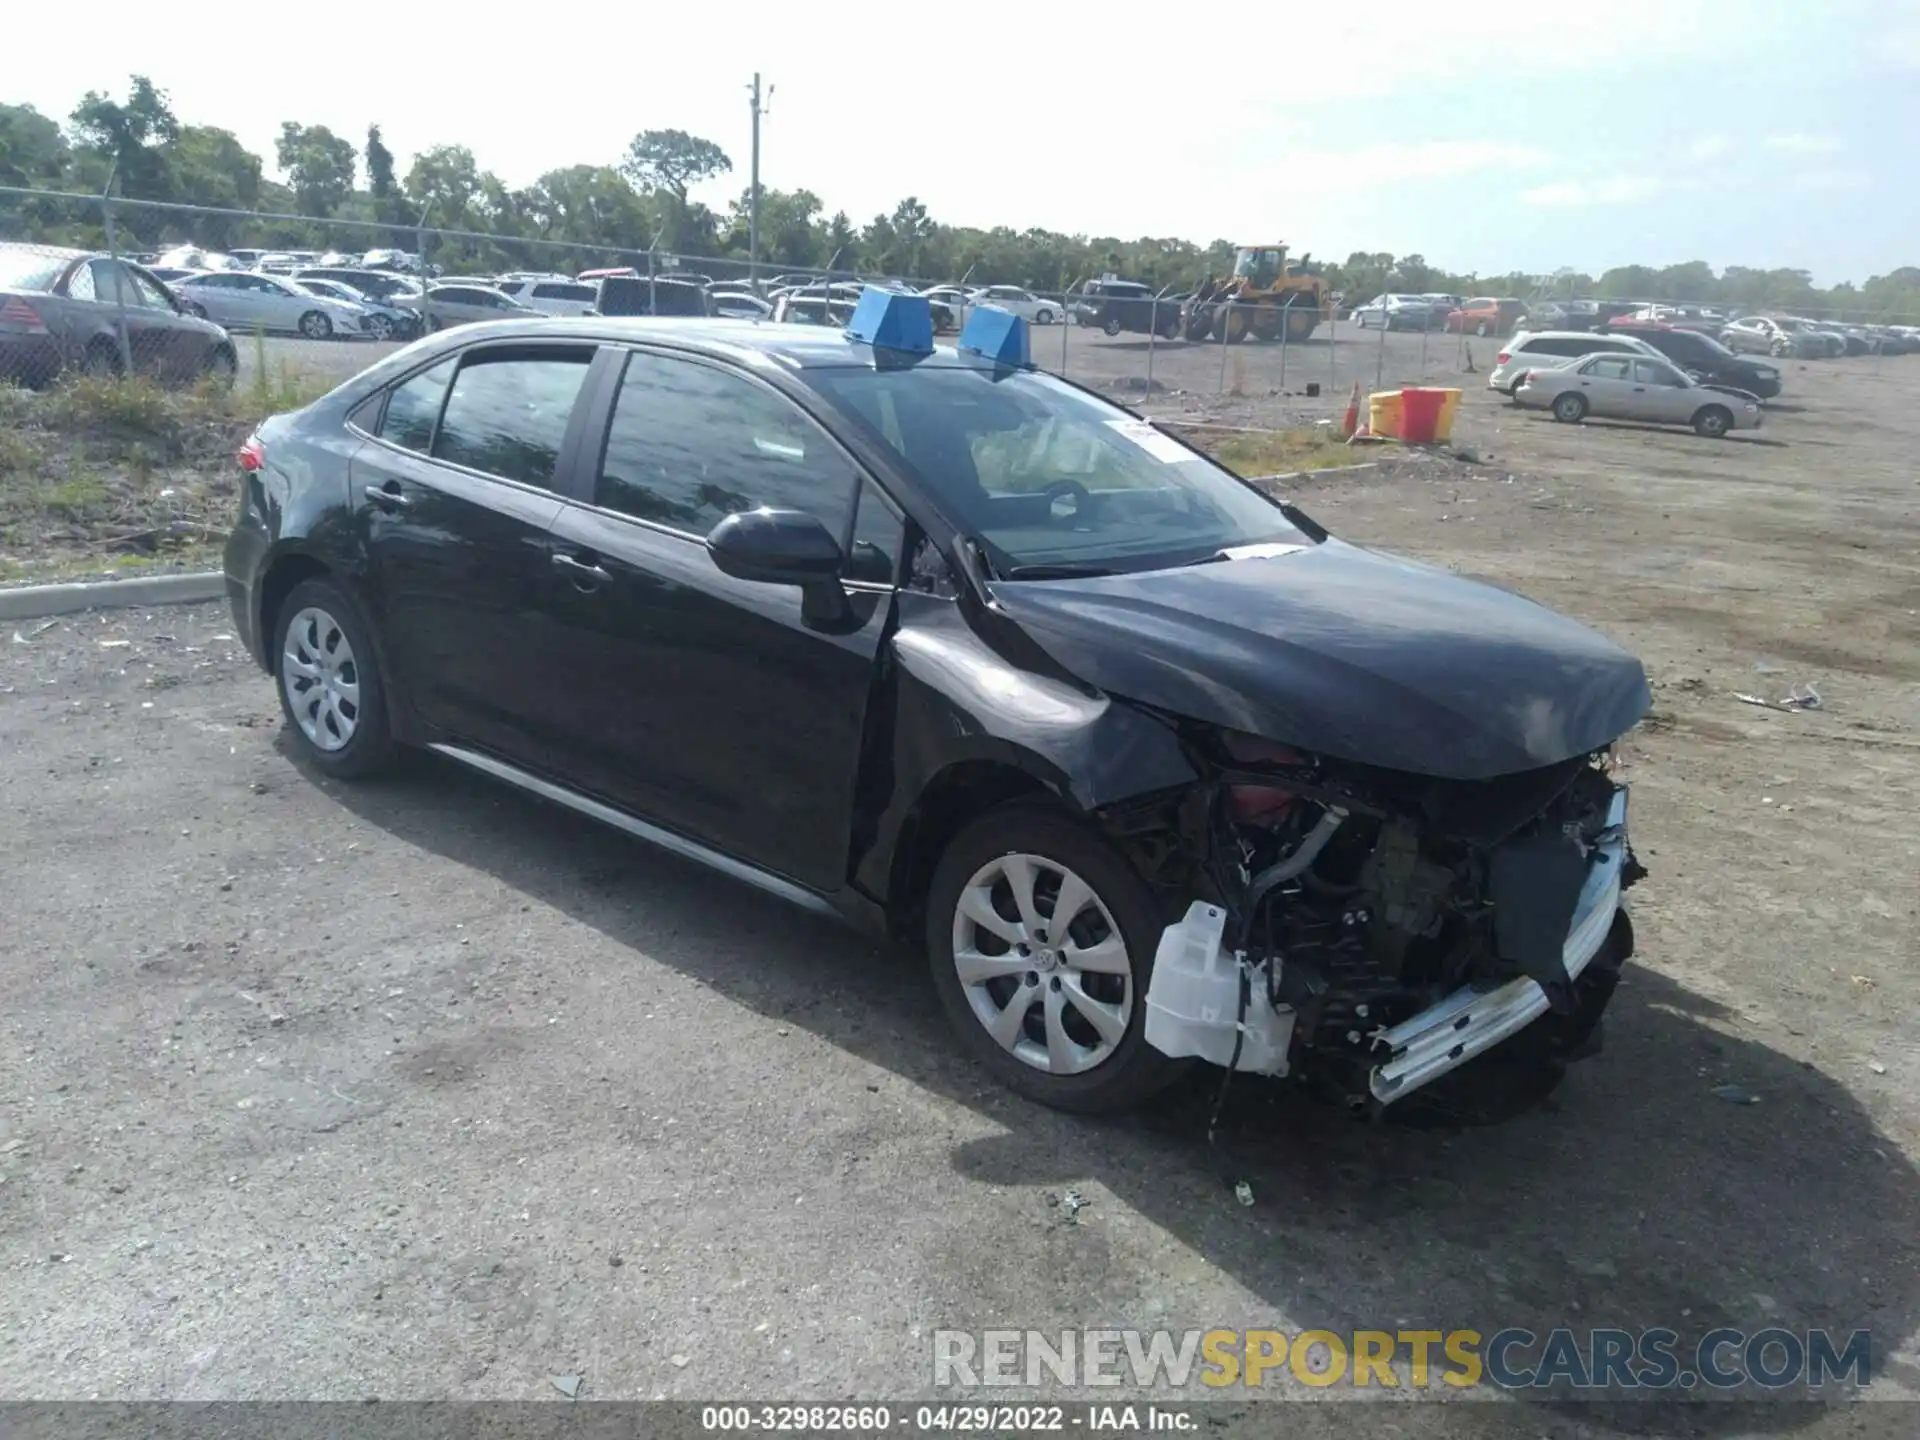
[1445, 1036]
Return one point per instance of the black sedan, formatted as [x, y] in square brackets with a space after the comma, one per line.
[949, 646]
[1704, 357]
[62, 311]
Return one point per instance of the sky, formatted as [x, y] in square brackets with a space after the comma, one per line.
[1486, 135]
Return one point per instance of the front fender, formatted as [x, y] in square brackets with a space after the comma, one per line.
[957, 701]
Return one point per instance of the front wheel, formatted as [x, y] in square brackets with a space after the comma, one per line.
[223, 367]
[315, 326]
[1570, 409]
[330, 687]
[1043, 317]
[1112, 327]
[1041, 939]
[380, 327]
[1713, 422]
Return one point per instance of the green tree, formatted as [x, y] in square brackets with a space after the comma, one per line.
[318, 165]
[446, 178]
[379, 165]
[667, 162]
[33, 152]
[128, 136]
[211, 167]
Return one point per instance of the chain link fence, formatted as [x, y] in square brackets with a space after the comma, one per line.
[140, 287]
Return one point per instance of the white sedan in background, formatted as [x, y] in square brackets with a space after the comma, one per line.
[1032, 308]
[739, 305]
[1633, 387]
[244, 300]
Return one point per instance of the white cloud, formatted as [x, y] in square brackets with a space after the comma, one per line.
[1802, 144]
[1709, 147]
[1832, 180]
[1608, 190]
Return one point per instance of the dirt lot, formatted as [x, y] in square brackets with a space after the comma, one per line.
[420, 1089]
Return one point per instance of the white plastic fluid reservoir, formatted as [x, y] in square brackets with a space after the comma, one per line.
[1193, 1001]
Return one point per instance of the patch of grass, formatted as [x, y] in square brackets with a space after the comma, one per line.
[76, 497]
[1272, 452]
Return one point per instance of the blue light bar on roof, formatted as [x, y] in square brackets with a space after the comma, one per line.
[888, 320]
[997, 335]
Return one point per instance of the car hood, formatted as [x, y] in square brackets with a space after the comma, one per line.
[1346, 652]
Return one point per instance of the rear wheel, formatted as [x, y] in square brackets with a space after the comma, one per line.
[1112, 327]
[1041, 939]
[1714, 421]
[222, 368]
[1570, 409]
[330, 688]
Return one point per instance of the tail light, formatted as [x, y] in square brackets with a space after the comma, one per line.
[1502, 358]
[253, 455]
[15, 311]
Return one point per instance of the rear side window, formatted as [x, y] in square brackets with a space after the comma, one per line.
[413, 407]
[564, 292]
[690, 444]
[1552, 346]
[507, 412]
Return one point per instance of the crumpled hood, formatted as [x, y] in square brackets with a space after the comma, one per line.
[1346, 652]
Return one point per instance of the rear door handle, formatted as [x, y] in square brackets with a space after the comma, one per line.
[584, 572]
[389, 497]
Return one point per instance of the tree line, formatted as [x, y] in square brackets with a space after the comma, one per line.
[592, 214]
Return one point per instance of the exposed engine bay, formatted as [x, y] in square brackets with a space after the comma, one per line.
[1368, 930]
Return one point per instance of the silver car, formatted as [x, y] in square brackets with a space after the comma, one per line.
[467, 303]
[1633, 387]
[245, 300]
[1546, 349]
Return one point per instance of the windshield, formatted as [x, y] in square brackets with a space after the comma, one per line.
[1047, 476]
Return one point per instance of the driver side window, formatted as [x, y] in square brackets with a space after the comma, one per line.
[690, 444]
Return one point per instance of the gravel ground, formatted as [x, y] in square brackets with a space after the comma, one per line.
[419, 1089]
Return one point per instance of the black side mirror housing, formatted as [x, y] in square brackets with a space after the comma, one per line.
[778, 547]
[786, 547]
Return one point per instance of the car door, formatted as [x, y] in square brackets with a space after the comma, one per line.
[730, 711]
[1607, 382]
[1664, 393]
[453, 494]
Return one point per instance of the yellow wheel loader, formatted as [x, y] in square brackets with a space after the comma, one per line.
[1269, 296]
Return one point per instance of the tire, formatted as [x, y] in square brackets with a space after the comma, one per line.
[380, 327]
[1118, 922]
[101, 359]
[222, 368]
[315, 326]
[1043, 317]
[1713, 421]
[1112, 327]
[1570, 409]
[329, 682]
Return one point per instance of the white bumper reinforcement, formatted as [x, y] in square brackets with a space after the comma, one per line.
[1447, 1035]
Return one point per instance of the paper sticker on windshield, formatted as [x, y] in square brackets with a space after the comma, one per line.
[1162, 447]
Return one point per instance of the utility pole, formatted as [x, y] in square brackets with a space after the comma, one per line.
[760, 107]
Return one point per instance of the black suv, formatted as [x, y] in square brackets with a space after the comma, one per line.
[939, 642]
[638, 295]
[1703, 357]
[1116, 305]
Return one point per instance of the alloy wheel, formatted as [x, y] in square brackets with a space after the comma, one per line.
[321, 678]
[1042, 963]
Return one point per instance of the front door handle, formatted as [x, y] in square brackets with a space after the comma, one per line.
[388, 496]
[585, 573]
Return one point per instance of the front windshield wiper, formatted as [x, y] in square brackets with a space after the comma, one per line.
[1057, 572]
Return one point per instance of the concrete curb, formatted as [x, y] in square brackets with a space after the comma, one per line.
[30, 602]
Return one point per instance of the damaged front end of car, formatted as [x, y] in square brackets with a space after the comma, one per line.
[1367, 930]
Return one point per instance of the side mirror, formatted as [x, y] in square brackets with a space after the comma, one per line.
[778, 547]
[786, 547]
